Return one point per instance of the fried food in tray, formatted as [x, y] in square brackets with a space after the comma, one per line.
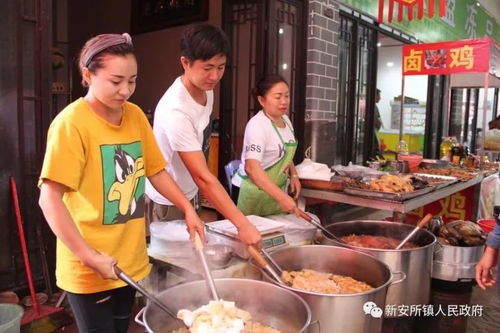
[436, 180]
[386, 183]
[325, 283]
[489, 166]
[392, 183]
[389, 187]
[462, 174]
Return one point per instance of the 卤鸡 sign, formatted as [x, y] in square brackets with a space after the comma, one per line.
[472, 55]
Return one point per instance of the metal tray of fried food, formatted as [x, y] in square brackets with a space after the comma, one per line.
[391, 196]
[463, 175]
[440, 181]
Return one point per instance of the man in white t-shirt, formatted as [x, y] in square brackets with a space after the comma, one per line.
[181, 117]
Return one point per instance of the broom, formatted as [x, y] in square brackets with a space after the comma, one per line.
[37, 310]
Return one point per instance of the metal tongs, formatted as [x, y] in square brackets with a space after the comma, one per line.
[318, 225]
[263, 264]
[206, 271]
[127, 279]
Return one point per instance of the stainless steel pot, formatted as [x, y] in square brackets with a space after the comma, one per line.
[267, 303]
[415, 263]
[456, 263]
[338, 312]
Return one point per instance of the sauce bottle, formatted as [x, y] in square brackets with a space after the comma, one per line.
[445, 147]
[456, 154]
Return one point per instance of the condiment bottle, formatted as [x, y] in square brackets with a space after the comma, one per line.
[456, 154]
[402, 147]
[445, 147]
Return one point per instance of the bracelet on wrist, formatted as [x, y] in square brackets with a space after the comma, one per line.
[294, 176]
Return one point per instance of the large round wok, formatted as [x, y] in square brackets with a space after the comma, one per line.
[267, 303]
[416, 263]
[339, 313]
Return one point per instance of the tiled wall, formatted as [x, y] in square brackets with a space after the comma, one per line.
[322, 49]
[322, 68]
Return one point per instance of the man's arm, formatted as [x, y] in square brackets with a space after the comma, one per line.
[166, 186]
[214, 191]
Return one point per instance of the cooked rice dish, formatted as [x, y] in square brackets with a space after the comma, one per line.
[325, 283]
[220, 317]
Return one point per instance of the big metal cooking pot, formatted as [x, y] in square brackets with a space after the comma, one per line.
[415, 263]
[267, 303]
[456, 263]
[338, 312]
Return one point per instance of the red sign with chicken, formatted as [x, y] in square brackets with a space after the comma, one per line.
[472, 55]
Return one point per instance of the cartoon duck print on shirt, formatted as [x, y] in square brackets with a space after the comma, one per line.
[123, 170]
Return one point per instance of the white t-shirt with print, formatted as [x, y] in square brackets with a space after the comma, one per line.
[262, 143]
[179, 123]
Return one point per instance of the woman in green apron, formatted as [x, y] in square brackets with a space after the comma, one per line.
[269, 146]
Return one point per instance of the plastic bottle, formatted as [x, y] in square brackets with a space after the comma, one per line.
[456, 151]
[402, 147]
[445, 147]
[456, 154]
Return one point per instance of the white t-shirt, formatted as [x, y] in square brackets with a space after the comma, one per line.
[262, 143]
[179, 123]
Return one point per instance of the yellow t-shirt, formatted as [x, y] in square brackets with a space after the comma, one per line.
[104, 166]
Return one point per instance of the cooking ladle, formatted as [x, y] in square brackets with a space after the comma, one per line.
[127, 279]
[420, 225]
[318, 225]
[262, 263]
[206, 272]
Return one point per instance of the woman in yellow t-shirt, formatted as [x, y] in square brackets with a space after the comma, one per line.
[100, 148]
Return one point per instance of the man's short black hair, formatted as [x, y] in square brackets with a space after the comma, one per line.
[378, 91]
[203, 41]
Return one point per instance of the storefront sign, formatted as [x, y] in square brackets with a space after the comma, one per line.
[471, 55]
[463, 19]
[410, 6]
[458, 206]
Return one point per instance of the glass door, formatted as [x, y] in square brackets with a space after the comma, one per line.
[357, 74]
[266, 37]
[467, 114]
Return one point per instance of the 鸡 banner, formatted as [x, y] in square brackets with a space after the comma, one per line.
[472, 55]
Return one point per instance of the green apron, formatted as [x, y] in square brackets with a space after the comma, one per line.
[254, 201]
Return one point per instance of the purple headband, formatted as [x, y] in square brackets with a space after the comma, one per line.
[105, 42]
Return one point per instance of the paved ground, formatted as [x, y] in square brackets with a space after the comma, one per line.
[490, 320]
